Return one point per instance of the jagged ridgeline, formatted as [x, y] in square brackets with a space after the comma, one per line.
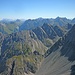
[31, 24]
[60, 58]
[10, 26]
[22, 52]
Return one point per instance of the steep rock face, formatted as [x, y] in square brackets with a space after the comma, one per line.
[41, 34]
[73, 21]
[69, 26]
[49, 34]
[60, 58]
[1, 38]
[1, 41]
[50, 31]
[59, 30]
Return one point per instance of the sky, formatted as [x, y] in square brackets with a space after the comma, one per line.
[31, 9]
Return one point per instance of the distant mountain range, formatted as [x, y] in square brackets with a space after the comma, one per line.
[31, 24]
[9, 26]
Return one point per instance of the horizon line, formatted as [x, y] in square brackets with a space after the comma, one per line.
[33, 18]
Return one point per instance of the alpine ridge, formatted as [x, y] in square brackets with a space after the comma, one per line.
[22, 52]
[60, 58]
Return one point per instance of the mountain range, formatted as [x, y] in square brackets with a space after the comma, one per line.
[31, 24]
[25, 45]
[9, 26]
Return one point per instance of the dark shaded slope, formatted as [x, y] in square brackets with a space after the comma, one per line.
[73, 70]
[60, 58]
[59, 30]
[49, 34]
[41, 34]
[49, 30]
[1, 40]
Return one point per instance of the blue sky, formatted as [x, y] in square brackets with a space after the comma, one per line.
[30, 9]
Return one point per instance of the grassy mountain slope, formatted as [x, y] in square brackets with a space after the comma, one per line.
[8, 27]
[21, 53]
